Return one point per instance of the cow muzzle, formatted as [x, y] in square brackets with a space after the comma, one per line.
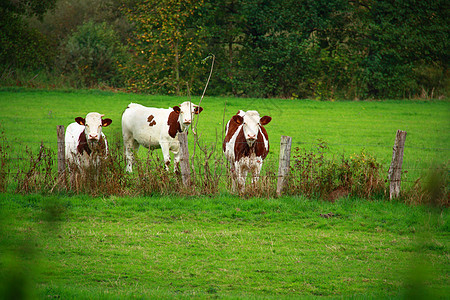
[251, 139]
[93, 137]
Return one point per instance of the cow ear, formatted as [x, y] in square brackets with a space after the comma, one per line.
[238, 119]
[176, 109]
[106, 122]
[265, 120]
[80, 121]
[198, 110]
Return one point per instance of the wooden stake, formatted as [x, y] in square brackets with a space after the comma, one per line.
[61, 154]
[395, 170]
[285, 162]
[184, 158]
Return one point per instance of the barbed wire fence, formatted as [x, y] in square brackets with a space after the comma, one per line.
[215, 167]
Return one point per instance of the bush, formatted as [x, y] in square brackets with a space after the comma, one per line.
[313, 175]
[95, 55]
[23, 48]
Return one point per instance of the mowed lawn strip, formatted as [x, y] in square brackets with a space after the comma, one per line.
[225, 246]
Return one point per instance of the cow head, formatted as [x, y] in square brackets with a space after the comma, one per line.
[185, 113]
[251, 122]
[93, 124]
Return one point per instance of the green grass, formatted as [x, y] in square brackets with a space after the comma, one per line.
[84, 247]
[30, 116]
[61, 246]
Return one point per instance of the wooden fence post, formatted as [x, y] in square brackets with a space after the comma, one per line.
[285, 163]
[61, 154]
[395, 170]
[184, 159]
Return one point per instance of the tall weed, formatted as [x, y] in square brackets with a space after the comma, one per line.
[39, 176]
[314, 175]
[432, 188]
[4, 159]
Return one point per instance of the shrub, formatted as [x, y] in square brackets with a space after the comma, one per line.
[432, 188]
[313, 175]
[95, 55]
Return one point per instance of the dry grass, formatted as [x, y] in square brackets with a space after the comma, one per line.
[312, 175]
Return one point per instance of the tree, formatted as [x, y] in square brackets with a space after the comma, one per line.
[166, 45]
[21, 46]
[94, 54]
[397, 37]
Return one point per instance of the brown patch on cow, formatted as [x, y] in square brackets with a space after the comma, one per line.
[174, 125]
[151, 121]
[83, 145]
[232, 127]
[260, 148]
[241, 148]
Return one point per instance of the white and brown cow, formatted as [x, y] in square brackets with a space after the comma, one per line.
[156, 128]
[246, 145]
[84, 139]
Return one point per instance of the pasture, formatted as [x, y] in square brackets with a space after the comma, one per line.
[220, 247]
[78, 246]
[29, 117]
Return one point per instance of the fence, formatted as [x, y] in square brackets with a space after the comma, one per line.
[284, 161]
[281, 177]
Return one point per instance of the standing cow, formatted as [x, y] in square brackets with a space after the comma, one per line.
[85, 143]
[156, 128]
[246, 145]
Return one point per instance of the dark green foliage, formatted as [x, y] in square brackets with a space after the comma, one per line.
[292, 49]
[400, 36]
[94, 54]
[20, 45]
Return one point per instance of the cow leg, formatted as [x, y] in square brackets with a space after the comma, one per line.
[241, 176]
[176, 161]
[131, 146]
[256, 170]
[233, 174]
[165, 148]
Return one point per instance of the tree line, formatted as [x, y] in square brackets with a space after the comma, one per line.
[322, 49]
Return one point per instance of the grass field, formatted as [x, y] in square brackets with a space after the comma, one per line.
[226, 247]
[30, 116]
[77, 246]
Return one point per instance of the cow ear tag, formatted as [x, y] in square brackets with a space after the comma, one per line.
[80, 120]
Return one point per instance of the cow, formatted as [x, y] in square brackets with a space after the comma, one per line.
[84, 139]
[246, 145]
[156, 128]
